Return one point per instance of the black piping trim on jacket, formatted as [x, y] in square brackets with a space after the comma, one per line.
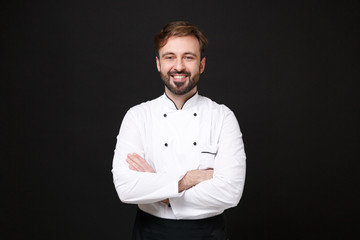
[209, 153]
[184, 102]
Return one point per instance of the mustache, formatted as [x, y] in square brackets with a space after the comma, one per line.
[179, 72]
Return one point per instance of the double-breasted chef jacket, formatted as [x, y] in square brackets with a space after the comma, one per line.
[201, 135]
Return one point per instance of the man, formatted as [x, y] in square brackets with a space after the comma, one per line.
[180, 157]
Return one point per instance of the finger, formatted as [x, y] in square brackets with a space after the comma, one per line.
[133, 165]
[141, 163]
[132, 168]
[145, 164]
[130, 162]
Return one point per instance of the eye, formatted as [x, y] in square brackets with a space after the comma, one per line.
[168, 57]
[189, 57]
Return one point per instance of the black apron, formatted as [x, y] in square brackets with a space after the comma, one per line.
[149, 227]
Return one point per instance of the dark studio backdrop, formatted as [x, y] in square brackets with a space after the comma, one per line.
[71, 69]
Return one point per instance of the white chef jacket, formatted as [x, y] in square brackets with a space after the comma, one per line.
[201, 135]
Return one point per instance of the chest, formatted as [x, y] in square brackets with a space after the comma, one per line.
[174, 140]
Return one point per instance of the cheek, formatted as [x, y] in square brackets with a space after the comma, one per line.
[195, 68]
[165, 68]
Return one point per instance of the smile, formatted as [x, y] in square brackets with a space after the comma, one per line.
[179, 76]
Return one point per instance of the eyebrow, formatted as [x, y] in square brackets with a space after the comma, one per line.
[167, 53]
[185, 53]
[190, 53]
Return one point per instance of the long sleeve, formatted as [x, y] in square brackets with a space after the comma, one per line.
[225, 189]
[138, 187]
[203, 134]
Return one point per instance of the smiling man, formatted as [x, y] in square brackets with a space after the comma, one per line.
[180, 157]
[180, 65]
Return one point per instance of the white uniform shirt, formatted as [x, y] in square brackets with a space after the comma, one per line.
[203, 134]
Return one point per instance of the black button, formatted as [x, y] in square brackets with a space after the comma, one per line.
[194, 143]
[195, 114]
[166, 144]
[165, 115]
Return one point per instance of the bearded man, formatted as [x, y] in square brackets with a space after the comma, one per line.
[180, 157]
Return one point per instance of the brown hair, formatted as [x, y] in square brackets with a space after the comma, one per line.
[180, 29]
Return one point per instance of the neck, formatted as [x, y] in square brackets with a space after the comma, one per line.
[180, 100]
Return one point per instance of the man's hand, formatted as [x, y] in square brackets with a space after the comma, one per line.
[195, 177]
[137, 163]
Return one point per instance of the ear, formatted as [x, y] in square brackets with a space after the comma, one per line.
[202, 65]
[158, 64]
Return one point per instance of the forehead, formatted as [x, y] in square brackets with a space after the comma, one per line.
[180, 45]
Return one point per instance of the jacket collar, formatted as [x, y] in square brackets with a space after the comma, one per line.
[188, 104]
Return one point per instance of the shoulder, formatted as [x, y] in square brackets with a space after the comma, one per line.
[212, 106]
[145, 107]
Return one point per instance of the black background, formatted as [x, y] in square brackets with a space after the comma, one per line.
[288, 69]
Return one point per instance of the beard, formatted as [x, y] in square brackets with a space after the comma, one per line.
[180, 88]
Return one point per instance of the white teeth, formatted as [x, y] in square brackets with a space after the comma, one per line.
[178, 76]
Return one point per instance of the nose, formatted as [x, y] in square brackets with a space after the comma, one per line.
[179, 65]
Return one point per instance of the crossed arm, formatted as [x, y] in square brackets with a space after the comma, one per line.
[190, 195]
[191, 178]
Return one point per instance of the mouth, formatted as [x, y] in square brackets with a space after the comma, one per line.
[179, 76]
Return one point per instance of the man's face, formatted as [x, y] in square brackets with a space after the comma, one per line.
[179, 64]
